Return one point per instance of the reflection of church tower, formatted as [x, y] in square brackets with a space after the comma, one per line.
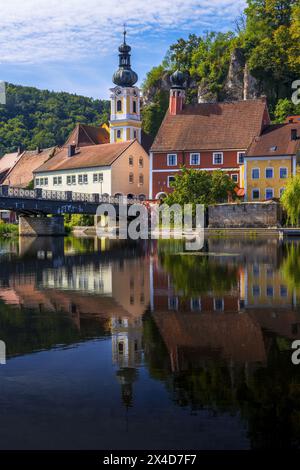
[127, 341]
[125, 119]
[127, 353]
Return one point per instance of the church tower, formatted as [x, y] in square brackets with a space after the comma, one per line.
[125, 118]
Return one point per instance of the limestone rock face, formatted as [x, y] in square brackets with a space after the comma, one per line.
[205, 95]
[234, 85]
[163, 84]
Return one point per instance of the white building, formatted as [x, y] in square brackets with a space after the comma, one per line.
[120, 168]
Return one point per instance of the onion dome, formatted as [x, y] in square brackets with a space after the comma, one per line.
[124, 76]
[178, 79]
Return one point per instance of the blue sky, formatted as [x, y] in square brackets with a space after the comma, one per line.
[71, 45]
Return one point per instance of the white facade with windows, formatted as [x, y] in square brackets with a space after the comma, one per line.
[83, 180]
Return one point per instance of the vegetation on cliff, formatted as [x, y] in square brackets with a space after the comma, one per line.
[266, 36]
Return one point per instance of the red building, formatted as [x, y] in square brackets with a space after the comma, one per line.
[206, 136]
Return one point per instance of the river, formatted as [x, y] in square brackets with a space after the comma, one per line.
[140, 345]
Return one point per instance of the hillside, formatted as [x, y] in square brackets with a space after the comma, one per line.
[44, 118]
[261, 57]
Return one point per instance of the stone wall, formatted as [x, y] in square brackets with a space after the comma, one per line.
[245, 214]
[36, 226]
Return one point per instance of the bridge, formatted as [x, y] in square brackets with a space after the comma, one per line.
[33, 206]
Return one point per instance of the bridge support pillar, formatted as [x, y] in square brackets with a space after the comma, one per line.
[41, 226]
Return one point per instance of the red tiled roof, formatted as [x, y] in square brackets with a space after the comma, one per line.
[85, 157]
[212, 126]
[8, 160]
[275, 141]
[22, 172]
[84, 134]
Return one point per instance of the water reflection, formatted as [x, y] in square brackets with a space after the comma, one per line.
[206, 334]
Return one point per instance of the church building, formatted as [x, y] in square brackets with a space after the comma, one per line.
[107, 161]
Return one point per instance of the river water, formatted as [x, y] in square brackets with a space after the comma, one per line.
[141, 345]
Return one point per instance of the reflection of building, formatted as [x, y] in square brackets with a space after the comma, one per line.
[126, 341]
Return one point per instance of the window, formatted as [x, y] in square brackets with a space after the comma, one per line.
[69, 181]
[171, 179]
[173, 303]
[255, 173]
[269, 173]
[218, 304]
[195, 159]
[80, 179]
[283, 291]
[134, 134]
[85, 179]
[240, 157]
[270, 272]
[134, 106]
[141, 162]
[217, 158]
[270, 291]
[130, 161]
[97, 177]
[37, 181]
[283, 172]
[46, 181]
[42, 181]
[119, 134]
[55, 180]
[59, 180]
[131, 178]
[172, 159]
[269, 193]
[256, 270]
[255, 194]
[255, 290]
[119, 106]
[235, 177]
[281, 191]
[141, 180]
[195, 304]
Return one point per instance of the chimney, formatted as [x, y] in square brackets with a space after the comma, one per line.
[294, 135]
[71, 150]
[177, 92]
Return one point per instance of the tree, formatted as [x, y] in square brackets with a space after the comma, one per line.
[35, 117]
[290, 199]
[200, 187]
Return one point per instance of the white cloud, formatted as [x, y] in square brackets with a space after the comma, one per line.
[34, 31]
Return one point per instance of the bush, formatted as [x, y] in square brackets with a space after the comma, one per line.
[8, 229]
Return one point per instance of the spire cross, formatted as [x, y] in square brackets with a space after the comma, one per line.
[124, 33]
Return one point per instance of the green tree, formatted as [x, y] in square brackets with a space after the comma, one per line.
[200, 187]
[290, 199]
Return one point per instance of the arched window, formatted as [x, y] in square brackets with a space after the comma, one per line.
[119, 134]
[130, 196]
[119, 105]
[131, 178]
[134, 106]
[142, 197]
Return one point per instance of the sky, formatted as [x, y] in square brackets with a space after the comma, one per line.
[72, 45]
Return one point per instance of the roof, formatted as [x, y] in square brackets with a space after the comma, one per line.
[84, 134]
[8, 160]
[86, 157]
[22, 172]
[275, 141]
[212, 126]
[292, 119]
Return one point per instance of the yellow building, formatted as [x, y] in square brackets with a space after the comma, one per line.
[270, 160]
[125, 117]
